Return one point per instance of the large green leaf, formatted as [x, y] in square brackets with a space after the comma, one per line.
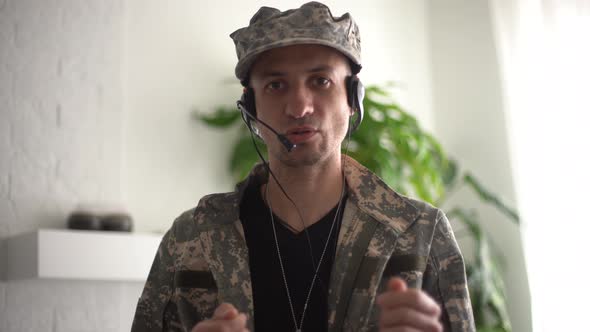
[223, 117]
[244, 156]
[490, 198]
[486, 286]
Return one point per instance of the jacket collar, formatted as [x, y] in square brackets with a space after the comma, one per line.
[377, 199]
[370, 193]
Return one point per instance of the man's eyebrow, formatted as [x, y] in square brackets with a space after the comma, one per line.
[272, 73]
[321, 68]
[278, 73]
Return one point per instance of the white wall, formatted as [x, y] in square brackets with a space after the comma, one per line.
[470, 122]
[60, 145]
[180, 57]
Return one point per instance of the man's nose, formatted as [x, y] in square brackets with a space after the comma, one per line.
[300, 102]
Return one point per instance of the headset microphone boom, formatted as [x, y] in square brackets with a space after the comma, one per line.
[282, 138]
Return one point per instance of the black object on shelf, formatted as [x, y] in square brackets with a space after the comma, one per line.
[117, 222]
[83, 220]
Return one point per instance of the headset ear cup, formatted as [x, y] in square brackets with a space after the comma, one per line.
[247, 104]
[360, 96]
[355, 95]
[349, 94]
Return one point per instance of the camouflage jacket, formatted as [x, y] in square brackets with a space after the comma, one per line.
[203, 260]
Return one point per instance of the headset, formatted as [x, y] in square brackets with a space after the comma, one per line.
[355, 93]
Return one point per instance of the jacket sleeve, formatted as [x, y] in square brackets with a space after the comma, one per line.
[445, 279]
[154, 310]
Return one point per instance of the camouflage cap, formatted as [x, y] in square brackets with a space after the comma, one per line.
[312, 23]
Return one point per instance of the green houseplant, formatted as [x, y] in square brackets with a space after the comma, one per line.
[392, 144]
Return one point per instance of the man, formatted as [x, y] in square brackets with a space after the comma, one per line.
[311, 241]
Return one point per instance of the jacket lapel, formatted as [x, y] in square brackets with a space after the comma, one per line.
[224, 248]
[352, 242]
[373, 219]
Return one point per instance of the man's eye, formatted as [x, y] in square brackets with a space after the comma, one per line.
[322, 81]
[274, 86]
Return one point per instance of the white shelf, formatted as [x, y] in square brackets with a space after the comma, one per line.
[82, 255]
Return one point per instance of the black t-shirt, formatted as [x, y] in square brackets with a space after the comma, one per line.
[271, 305]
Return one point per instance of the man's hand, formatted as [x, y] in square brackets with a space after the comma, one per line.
[404, 309]
[226, 318]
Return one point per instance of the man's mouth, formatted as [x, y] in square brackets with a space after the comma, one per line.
[300, 134]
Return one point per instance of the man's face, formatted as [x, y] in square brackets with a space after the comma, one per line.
[300, 91]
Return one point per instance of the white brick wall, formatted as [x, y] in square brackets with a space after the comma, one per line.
[61, 108]
[60, 145]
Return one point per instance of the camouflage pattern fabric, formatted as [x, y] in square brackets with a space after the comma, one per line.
[312, 23]
[203, 260]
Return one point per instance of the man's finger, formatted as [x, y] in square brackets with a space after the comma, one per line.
[225, 311]
[397, 284]
[409, 318]
[411, 298]
[400, 329]
[237, 324]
